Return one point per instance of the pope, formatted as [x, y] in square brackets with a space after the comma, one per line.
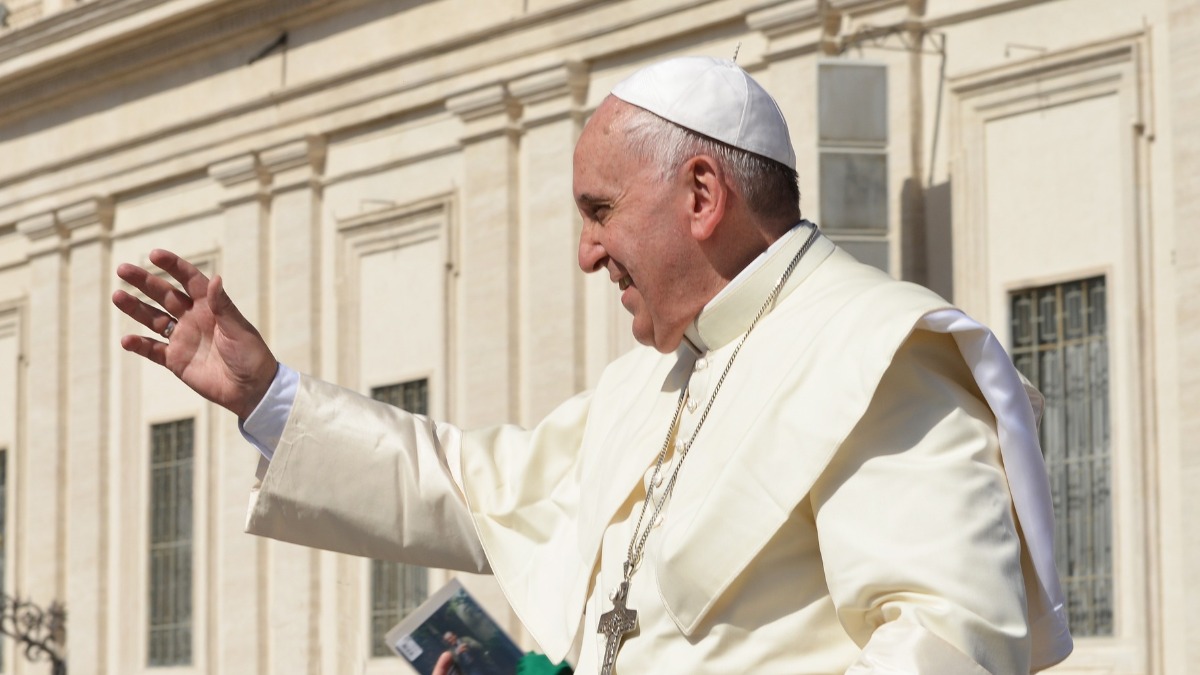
[808, 467]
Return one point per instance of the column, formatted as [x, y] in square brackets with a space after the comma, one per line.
[487, 389]
[241, 576]
[294, 275]
[40, 552]
[552, 319]
[87, 227]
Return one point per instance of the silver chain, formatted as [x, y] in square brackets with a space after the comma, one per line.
[637, 544]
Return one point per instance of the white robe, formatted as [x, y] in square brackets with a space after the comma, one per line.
[846, 506]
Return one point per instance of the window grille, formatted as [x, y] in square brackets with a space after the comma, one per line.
[1060, 343]
[397, 589]
[170, 587]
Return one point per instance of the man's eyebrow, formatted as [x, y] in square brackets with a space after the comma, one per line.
[590, 199]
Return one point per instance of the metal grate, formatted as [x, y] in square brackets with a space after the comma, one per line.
[1060, 343]
[170, 590]
[397, 589]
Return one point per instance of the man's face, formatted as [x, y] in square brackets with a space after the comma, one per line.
[635, 228]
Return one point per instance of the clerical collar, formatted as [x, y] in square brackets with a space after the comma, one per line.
[731, 311]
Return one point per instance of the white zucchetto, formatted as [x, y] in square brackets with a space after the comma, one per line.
[715, 98]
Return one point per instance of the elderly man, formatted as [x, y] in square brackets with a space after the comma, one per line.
[815, 469]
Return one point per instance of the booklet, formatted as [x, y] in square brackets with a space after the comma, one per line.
[452, 621]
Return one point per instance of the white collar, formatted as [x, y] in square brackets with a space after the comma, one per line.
[731, 310]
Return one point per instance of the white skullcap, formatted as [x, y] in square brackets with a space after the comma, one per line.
[715, 98]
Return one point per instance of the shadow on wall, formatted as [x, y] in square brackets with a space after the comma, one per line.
[928, 245]
[939, 241]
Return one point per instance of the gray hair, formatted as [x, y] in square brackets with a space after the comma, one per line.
[770, 189]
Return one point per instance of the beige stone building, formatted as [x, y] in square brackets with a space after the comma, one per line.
[385, 187]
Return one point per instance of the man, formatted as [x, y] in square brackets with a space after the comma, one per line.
[863, 490]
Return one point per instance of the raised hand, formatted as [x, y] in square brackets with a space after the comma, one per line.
[210, 346]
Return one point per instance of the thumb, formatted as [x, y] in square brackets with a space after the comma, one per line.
[218, 299]
[223, 310]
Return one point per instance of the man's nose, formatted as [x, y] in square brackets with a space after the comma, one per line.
[591, 253]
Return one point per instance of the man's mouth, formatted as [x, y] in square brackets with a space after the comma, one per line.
[624, 282]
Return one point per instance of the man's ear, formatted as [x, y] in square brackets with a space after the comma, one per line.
[709, 194]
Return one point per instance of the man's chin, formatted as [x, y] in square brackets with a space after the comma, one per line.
[665, 343]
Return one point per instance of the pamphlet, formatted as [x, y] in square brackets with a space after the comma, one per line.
[452, 621]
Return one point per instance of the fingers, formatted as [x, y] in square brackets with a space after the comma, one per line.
[154, 319]
[444, 663]
[156, 288]
[151, 349]
[192, 279]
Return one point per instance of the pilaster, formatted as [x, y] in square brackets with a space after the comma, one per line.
[293, 262]
[488, 388]
[240, 574]
[552, 289]
[86, 227]
[42, 554]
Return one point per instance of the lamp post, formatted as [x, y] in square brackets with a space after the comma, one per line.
[40, 633]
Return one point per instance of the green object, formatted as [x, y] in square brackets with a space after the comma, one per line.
[538, 664]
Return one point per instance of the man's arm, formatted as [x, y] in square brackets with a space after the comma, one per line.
[355, 475]
[915, 522]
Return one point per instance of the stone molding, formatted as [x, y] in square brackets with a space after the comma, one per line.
[231, 173]
[794, 28]
[86, 220]
[102, 59]
[294, 164]
[785, 18]
[308, 151]
[486, 112]
[39, 227]
[552, 94]
[78, 223]
[391, 227]
[1110, 67]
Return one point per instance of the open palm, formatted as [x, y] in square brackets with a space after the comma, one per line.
[211, 347]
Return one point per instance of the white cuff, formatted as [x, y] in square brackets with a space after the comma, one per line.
[904, 647]
[264, 426]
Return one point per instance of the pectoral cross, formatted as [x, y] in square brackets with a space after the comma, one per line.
[615, 623]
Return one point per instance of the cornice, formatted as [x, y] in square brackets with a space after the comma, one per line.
[485, 101]
[68, 23]
[94, 211]
[42, 67]
[585, 41]
[552, 94]
[785, 18]
[486, 112]
[308, 151]
[567, 79]
[39, 227]
[234, 172]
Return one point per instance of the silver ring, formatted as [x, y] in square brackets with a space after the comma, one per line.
[169, 329]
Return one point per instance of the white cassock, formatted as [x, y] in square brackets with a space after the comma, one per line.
[867, 495]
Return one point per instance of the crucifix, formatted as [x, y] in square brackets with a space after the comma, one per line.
[615, 623]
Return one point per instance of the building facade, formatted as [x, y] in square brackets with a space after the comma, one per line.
[385, 187]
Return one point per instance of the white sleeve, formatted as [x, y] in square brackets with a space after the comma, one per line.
[920, 547]
[263, 427]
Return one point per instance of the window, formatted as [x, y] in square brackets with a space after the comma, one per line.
[170, 597]
[397, 589]
[1060, 343]
[853, 134]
